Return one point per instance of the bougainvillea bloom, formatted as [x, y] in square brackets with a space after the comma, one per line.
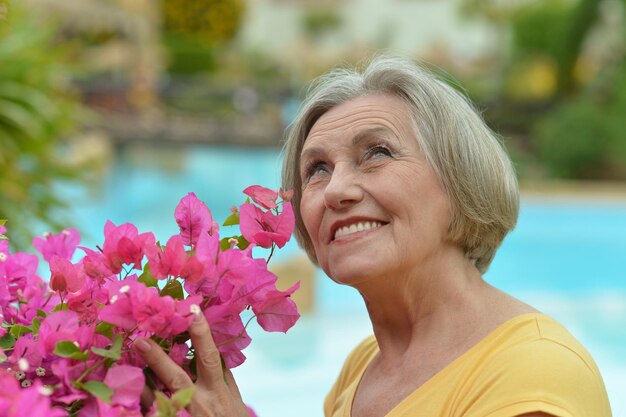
[62, 245]
[193, 218]
[264, 227]
[30, 401]
[124, 245]
[264, 197]
[67, 343]
[64, 275]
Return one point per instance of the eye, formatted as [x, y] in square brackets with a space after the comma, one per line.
[314, 169]
[377, 151]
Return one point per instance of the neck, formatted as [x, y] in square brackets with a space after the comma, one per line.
[435, 306]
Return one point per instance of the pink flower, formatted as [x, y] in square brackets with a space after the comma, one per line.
[178, 353]
[230, 337]
[62, 245]
[193, 218]
[264, 197]
[285, 195]
[17, 269]
[86, 301]
[60, 325]
[276, 312]
[133, 304]
[64, 275]
[95, 265]
[265, 228]
[168, 262]
[127, 383]
[24, 402]
[123, 245]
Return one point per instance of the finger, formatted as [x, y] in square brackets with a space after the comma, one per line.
[162, 365]
[208, 360]
[147, 398]
[232, 385]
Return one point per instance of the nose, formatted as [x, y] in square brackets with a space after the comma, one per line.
[343, 189]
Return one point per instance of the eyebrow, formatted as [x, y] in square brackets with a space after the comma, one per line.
[358, 138]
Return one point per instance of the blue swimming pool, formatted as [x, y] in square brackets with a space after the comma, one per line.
[566, 257]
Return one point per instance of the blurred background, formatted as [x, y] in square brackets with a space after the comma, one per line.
[114, 109]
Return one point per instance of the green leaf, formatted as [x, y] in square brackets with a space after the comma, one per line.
[164, 405]
[42, 314]
[98, 389]
[59, 307]
[182, 398]
[18, 330]
[232, 220]
[2, 222]
[174, 289]
[224, 243]
[35, 325]
[147, 278]
[114, 352]
[67, 349]
[7, 341]
[105, 329]
[242, 243]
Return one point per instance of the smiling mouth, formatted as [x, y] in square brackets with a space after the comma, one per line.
[355, 228]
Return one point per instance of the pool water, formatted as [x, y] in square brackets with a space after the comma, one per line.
[567, 258]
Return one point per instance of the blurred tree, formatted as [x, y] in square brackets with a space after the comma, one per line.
[571, 103]
[36, 113]
[584, 138]
[193, 29]
[319, 22]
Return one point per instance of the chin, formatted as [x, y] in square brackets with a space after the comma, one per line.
[352, 276]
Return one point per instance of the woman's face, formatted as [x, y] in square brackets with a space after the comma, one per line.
[371, 203]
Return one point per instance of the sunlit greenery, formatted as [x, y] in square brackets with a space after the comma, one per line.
[562, 107]
[37, 111]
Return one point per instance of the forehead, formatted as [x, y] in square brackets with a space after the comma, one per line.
[362, 113]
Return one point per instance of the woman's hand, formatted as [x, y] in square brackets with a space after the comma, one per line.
[213, 396]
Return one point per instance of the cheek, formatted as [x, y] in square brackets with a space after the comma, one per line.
[311, 216]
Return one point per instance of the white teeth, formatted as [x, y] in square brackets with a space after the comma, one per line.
[356, 227]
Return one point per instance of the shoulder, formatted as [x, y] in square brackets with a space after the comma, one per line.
[538, 366]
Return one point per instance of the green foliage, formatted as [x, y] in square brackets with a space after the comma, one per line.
[114, 352]
[147, 278]
[317, 23]
[210, 21]
[541, 28]
[36, 114]
[7, 341]
[18, 330]
[67, 349]
[585, 138]
[98, 389]
[174, 289]
[232, 220]
[169, 407]
[194, 29]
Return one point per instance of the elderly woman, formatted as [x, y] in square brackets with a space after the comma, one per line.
[403, 192]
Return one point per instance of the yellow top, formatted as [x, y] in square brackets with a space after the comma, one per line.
[529, 364]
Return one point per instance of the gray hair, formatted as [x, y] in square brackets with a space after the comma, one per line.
[467, 156]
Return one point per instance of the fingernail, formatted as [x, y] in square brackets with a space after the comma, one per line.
[142, 345]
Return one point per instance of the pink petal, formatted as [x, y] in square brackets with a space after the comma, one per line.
[262, 196]
[193, 218]
[127, 383]
[278, 312]
[64, 275]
